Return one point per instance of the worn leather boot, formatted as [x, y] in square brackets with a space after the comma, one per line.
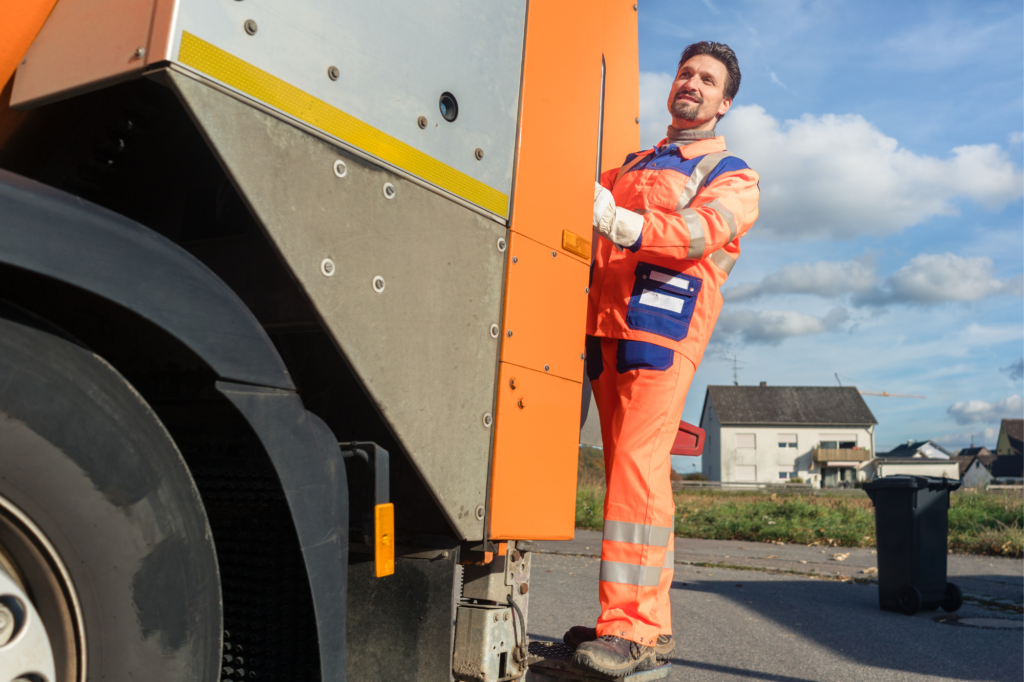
[614, 656]
[578, 634]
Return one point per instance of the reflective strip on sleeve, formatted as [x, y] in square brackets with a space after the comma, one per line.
[637, 533]
[727, 215]
[670, 559]
[630, 574]
[696, 230]
[700, 176]
[723, 260]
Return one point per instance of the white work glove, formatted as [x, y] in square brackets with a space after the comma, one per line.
[620, 226]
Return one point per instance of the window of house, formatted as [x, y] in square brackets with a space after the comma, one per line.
[839, 442]
[786, 472]
[746, 472]
[746, 440]
[787, 440]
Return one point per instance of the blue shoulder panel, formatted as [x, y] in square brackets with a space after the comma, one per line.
[726, 165]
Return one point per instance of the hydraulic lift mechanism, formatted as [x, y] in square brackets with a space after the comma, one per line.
[292, 304]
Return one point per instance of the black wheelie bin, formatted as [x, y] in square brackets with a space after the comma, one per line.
[911, 525]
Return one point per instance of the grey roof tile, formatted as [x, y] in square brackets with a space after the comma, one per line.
[795, 405]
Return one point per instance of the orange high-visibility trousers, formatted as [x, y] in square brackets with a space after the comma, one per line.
[640, 389]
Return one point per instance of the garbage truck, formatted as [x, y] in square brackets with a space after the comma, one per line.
[292, 304]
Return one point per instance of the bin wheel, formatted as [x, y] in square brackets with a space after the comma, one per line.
[954, 599]
[909, 599]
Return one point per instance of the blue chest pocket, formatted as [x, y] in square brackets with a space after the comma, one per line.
[662, 301]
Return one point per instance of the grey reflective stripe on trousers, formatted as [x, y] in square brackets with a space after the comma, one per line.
[630, 574]
[698, 178]
[723, 260]
[637, 533]
[670, 560]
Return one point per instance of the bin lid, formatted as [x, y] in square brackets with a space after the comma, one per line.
[914, 482]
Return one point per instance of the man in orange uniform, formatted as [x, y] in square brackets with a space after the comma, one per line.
[671, 219]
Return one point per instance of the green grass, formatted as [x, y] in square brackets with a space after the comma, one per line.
[978, 523]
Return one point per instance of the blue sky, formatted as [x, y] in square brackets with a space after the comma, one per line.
[890, 248]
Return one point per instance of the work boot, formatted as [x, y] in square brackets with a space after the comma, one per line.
[614, 656]
[578, 634]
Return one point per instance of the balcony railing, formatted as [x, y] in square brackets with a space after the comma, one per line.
[841, 455]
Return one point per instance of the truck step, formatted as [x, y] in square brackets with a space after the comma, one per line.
[553, 661]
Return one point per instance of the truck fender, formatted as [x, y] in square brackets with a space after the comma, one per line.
[63, 237]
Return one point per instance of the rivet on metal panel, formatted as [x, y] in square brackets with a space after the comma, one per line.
[140, 52]
[478, 153]
[587, 290]
[480, 512]
[637, 119]
[515, 259]
[554, 254]
[421, 122]
[327, 267]
[488, 420]
[634, 8]
[250, 27]
[583, 356]
[501, 244]
[389, 190]
[509, 333]
[547, 368]
[512, 383]
[378, 284]
[494, 331]
[340, 169]
[496, 617]
[444, 555]
[507, 615]
[524, 588]
[333, 73]
[522, 403]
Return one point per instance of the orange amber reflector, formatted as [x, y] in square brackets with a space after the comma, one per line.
[384, 550]
[573, 243]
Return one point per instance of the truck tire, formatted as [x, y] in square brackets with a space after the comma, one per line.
[100, 521]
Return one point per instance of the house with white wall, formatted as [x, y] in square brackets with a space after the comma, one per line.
[823, 435]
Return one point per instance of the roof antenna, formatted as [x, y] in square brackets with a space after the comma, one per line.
[735, 369]
[837, 379]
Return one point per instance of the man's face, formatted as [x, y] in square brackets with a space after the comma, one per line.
[698, 97]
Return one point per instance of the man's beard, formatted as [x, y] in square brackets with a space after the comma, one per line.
[686, 110]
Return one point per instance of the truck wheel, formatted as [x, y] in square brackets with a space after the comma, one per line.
[101, 526]
[909, 599]
[953, 600]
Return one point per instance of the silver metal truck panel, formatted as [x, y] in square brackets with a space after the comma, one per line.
[372, 75]
[407, 283]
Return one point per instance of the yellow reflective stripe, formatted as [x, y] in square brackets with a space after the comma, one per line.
[723, 260]
[258, 84]
[730, 219]
[696, 230]
[700, 175]
[630, 574]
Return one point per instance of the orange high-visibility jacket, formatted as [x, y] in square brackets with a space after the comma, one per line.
[697, 201]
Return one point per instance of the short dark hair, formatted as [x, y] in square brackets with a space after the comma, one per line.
[722, 53]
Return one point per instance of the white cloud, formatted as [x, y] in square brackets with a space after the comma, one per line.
[982, 437]
[928, 279]
[936, 278]
[772, 326]
[974, 411]
[824, 278]
[654, 116]
[775, 79]
[1016, 137]
[838, 176]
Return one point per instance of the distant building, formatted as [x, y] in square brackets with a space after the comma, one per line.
[1011, 437]
[920, 448]
[772, 434]
[974, 466]
[1008, 469]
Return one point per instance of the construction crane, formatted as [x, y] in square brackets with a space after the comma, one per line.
[884, 394]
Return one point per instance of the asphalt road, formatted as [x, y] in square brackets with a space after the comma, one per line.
[756, 611]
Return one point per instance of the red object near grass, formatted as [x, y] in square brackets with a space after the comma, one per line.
[689, 440]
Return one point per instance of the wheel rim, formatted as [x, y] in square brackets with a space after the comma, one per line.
[49, 642]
